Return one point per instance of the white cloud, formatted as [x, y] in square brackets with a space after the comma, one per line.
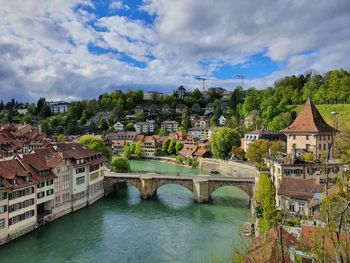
[44, 45]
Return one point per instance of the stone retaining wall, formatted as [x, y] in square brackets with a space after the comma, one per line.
[227, 168]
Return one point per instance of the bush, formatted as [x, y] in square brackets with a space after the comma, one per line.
[179, 159]
[120, 165]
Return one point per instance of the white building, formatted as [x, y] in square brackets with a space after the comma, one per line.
[169, 126]
[200, 133]
[144, 127]
[57, 107]
[118, 126]
[222, 120]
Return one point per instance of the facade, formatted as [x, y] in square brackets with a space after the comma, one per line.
[200, 133]
[180, 108]
[57, 107]
[17, 200]
[150, 145]
[169, 126]
[261, 135]
[118, 147]
[145, 127]
[118, 126]
[310, 133]
[127, 136]
[222, 120]
[139, 109]
[196, 108]
[153, 95]
[166, 108]
[199, 122]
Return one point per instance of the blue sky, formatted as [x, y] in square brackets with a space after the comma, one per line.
[77, 49]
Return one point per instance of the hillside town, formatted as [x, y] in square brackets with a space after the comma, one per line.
[44, 177]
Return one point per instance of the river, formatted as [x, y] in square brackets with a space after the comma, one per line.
[124, 228]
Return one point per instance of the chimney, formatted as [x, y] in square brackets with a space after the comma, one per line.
[40, 131]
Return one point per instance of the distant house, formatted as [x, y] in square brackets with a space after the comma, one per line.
[152, 109]
[22, 111]
[196, 108]
[222, 120]
[201, 153]
[150, 145]
[261, 135]
[200, 133]
[199, 122]
[138, 109]
[57, 107]
[209, 108]
[144, 127]
[166, 108]
[118, 146]
[180, 108]
[127, 136]
[188, 150]
[178, 135]
[118, 126]
[169, 126]
[131, 117]
[153, 95]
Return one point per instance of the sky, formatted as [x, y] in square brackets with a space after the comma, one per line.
[76, 49]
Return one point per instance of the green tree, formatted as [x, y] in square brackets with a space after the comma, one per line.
[120, 165]
[185, 120]
[165, 146]
[103, 124]
[178, 147]
[171, 147]
[179, 159]
[96, 143]
[139, 149]
[127, 151]
[129, 127]
[222, 140]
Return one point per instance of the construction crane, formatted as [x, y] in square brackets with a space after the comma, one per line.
[242, 79]
[203, 80]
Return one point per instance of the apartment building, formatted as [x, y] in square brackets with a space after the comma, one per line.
[86, 173]
[17, 200]
[200, 133]
[145, 127]
[169, 126]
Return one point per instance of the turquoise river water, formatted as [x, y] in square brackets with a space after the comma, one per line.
[124, 228]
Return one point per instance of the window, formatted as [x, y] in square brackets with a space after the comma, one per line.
[2, 223]
[65, 187]
[58, 199]
[57, 189]
[15, 195]
[301, 208]
[307, 137]
[41, 194]
[66, 196]
[3, 209]
[50, 182]
[80, 170]
[80, 180]
[49, 192]
[42, 184]
[66, 178]
[294, 137]
[3, 196]
[29, 191]
[291, 207]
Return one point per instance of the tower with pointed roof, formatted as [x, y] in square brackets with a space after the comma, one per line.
[310, 133]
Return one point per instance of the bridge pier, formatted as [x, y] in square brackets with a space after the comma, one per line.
[148, 191]
[201, 190]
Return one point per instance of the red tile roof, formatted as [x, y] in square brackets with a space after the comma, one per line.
[188, 150]
[309, 120]
[200, 152]
[303, 189]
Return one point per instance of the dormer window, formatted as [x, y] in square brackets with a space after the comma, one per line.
[14, 182]
[27, 178]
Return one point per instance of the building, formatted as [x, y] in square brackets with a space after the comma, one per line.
[131, 117]
[262, 134]
[118, 126]
[86, 173]
[145, 127]
[188, 150]
[169, 126]
[127, 136]
[57, 107]
[18, 200]
[150, 145]
[295, 194]
[310, 133]
[209, 108]
[196, 108]
[22, 111]
[199, 122]
[222, 120]
[153, 95]
[166, 108]
[138, 108]
[118, 147]
[200, 133]
[180, 108]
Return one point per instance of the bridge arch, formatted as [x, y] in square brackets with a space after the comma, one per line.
[186, 184]
[217, 185]
[136, 184]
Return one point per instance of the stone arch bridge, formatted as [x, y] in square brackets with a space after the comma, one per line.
[201, 186]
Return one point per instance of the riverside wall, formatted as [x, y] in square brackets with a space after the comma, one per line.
[227, 168]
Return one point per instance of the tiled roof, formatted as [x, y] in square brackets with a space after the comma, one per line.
[188, 149]
[309, 120]
[261, 131]
[265, 247]
[200, 152]
[303, 189]
[12, 168]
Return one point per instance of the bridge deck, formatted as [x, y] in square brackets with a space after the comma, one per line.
[109, 174]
